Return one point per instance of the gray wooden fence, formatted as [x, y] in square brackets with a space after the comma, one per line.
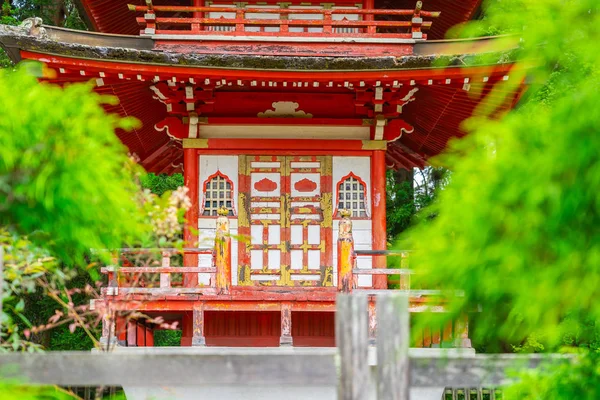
[347, 366]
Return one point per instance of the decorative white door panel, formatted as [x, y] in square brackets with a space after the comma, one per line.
[286, 214]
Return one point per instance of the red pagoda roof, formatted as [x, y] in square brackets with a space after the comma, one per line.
[112, 16]
[238, 82]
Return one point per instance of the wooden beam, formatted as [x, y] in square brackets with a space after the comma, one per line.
[288, 144]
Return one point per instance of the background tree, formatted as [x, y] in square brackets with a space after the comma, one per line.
[63, 13]
[517, 227]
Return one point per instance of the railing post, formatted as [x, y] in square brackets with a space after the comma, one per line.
[165, 278]
[223, 252]
[113, 279]
[352, 341]
[417, 22]
[345, 254]
[327, 21]
[240, 14]
[393, 373]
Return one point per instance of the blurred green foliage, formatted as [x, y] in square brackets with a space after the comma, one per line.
[10, 391]
[65, 178]
[159, 184]
[167, 337]
[516, 229]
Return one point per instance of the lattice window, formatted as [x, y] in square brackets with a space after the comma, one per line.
[352, 196]
[218, 192]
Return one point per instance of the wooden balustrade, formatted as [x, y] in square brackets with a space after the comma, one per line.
[221, 270]
[347, 270]
[367, 26]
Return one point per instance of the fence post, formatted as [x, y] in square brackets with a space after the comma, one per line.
[352, 337]
[165, 278]
[345, 254]
[393, 333]
[223, 252]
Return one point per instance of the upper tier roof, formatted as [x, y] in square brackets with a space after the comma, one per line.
[112, 16]
[443, 81]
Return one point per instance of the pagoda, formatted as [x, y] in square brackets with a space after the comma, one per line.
[283, 117]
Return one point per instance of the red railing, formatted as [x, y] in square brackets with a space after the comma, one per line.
[317, 22]
[130, 265]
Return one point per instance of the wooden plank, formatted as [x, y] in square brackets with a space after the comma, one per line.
[274, 366]
[159, 270]
[174, 367]
[393, 373]
[359, 271]
[352, 337]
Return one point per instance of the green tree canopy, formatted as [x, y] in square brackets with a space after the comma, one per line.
[517, 227]
[65, 178]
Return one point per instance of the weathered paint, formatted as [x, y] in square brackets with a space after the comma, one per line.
[223, 253]
[286, 324]
[345, 254]
[198, 325]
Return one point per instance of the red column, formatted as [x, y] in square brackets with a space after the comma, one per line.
[197, 14]
[369, 5]
[379, 224]
[190, 178]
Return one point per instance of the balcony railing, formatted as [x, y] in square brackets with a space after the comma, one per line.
[283, 22]
[151, 272]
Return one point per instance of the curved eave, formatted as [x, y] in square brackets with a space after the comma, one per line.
[135, 49]
[127, 65]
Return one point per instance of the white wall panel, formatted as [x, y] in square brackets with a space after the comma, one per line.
[228, 166]
[362, 230]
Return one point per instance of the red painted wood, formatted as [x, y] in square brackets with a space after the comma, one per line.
[190, 176]
[149, 71]
[131, 333]
[378, 172]
[187, 326]
[140, 335]
[121, 328]
[269, 152]
[149, 337]
[315, 329]
[247, 328]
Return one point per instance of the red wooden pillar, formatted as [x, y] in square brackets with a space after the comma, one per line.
[369, 5]
[121, 330]
[187, 329]
[149, 336]
[131, 333]
[197, 14]
[286, 324]
[378, 179]
[140, 334]
[190, 235]
[198, 325]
